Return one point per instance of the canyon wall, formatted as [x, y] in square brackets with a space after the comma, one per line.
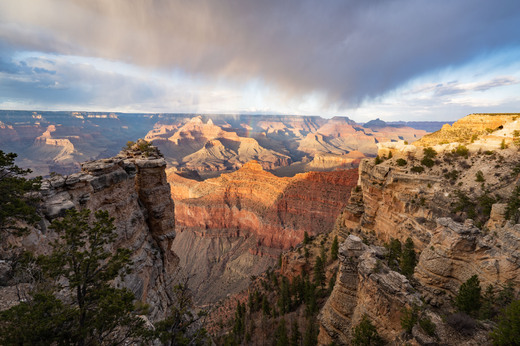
[133, 189]
[239, 223]
[455, 211]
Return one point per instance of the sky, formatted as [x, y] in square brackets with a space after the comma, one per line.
[415, 60]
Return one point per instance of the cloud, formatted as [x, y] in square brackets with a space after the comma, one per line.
[348, 50]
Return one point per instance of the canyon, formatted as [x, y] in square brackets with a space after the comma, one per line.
[238, 224]
[230, 202]
[210, 144]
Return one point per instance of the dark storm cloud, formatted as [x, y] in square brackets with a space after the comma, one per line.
[351, 50]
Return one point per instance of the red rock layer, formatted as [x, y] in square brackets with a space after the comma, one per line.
[276, 210]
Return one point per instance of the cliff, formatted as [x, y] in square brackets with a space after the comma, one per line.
[132, 187]
[364, 287]
[454, 209]
[238, 224]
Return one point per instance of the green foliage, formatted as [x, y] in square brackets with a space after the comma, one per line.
[426, 161]
[428, 326]
[16, 202]
[179, 327]
[82, 265]
[42, 320]
[284, 300]
[507, 331]
[319, 272]
[390, 155]
[417, 169]
[512, 212]
[365, 334]
[393, 255]
[408, 258]
[468, 299]
[129, 145]
[461, 150]
[306, 238]
[464, 204]
[401, 162]
[334, 249]
[310, 338]
[296, 336]
[453, 175]
[378, 160]
[429, 152]
[280, 335]
[409, 317]
[323, 254]
[479, 177]
[503, 144]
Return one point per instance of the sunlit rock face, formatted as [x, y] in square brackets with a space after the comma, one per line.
[456, 212]
[236, 225]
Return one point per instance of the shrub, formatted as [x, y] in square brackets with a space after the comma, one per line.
[366, 334]
[429, 152]
[390, 155]
[427, 162]
[503, 144]
[453, 175]
[378, 160]
[401, 162]
[479, 177]
[428, 326]
[462, 323]
[507, 331]
[468, 299]
[461, 150]
[417, 169]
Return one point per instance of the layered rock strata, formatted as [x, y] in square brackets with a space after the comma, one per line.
[133, 189]
[364, 286]
[239, 223]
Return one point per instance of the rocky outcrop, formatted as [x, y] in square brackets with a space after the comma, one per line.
[133, 189]
[365, 286]
[454, 208]
[463, 129]
[458, 251]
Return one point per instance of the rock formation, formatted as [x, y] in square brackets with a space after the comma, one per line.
[238, 224]
[454, 208]
[365, 286]
[132, 187]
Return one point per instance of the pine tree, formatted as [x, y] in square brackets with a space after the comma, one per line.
[468, 299]
[306, 238]
[508, 330]
[334, 249]
[310, 338]
[408, 258]
[365, 334]
[179, 327]
[296, 336]
[319, 272]
[280, 335]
